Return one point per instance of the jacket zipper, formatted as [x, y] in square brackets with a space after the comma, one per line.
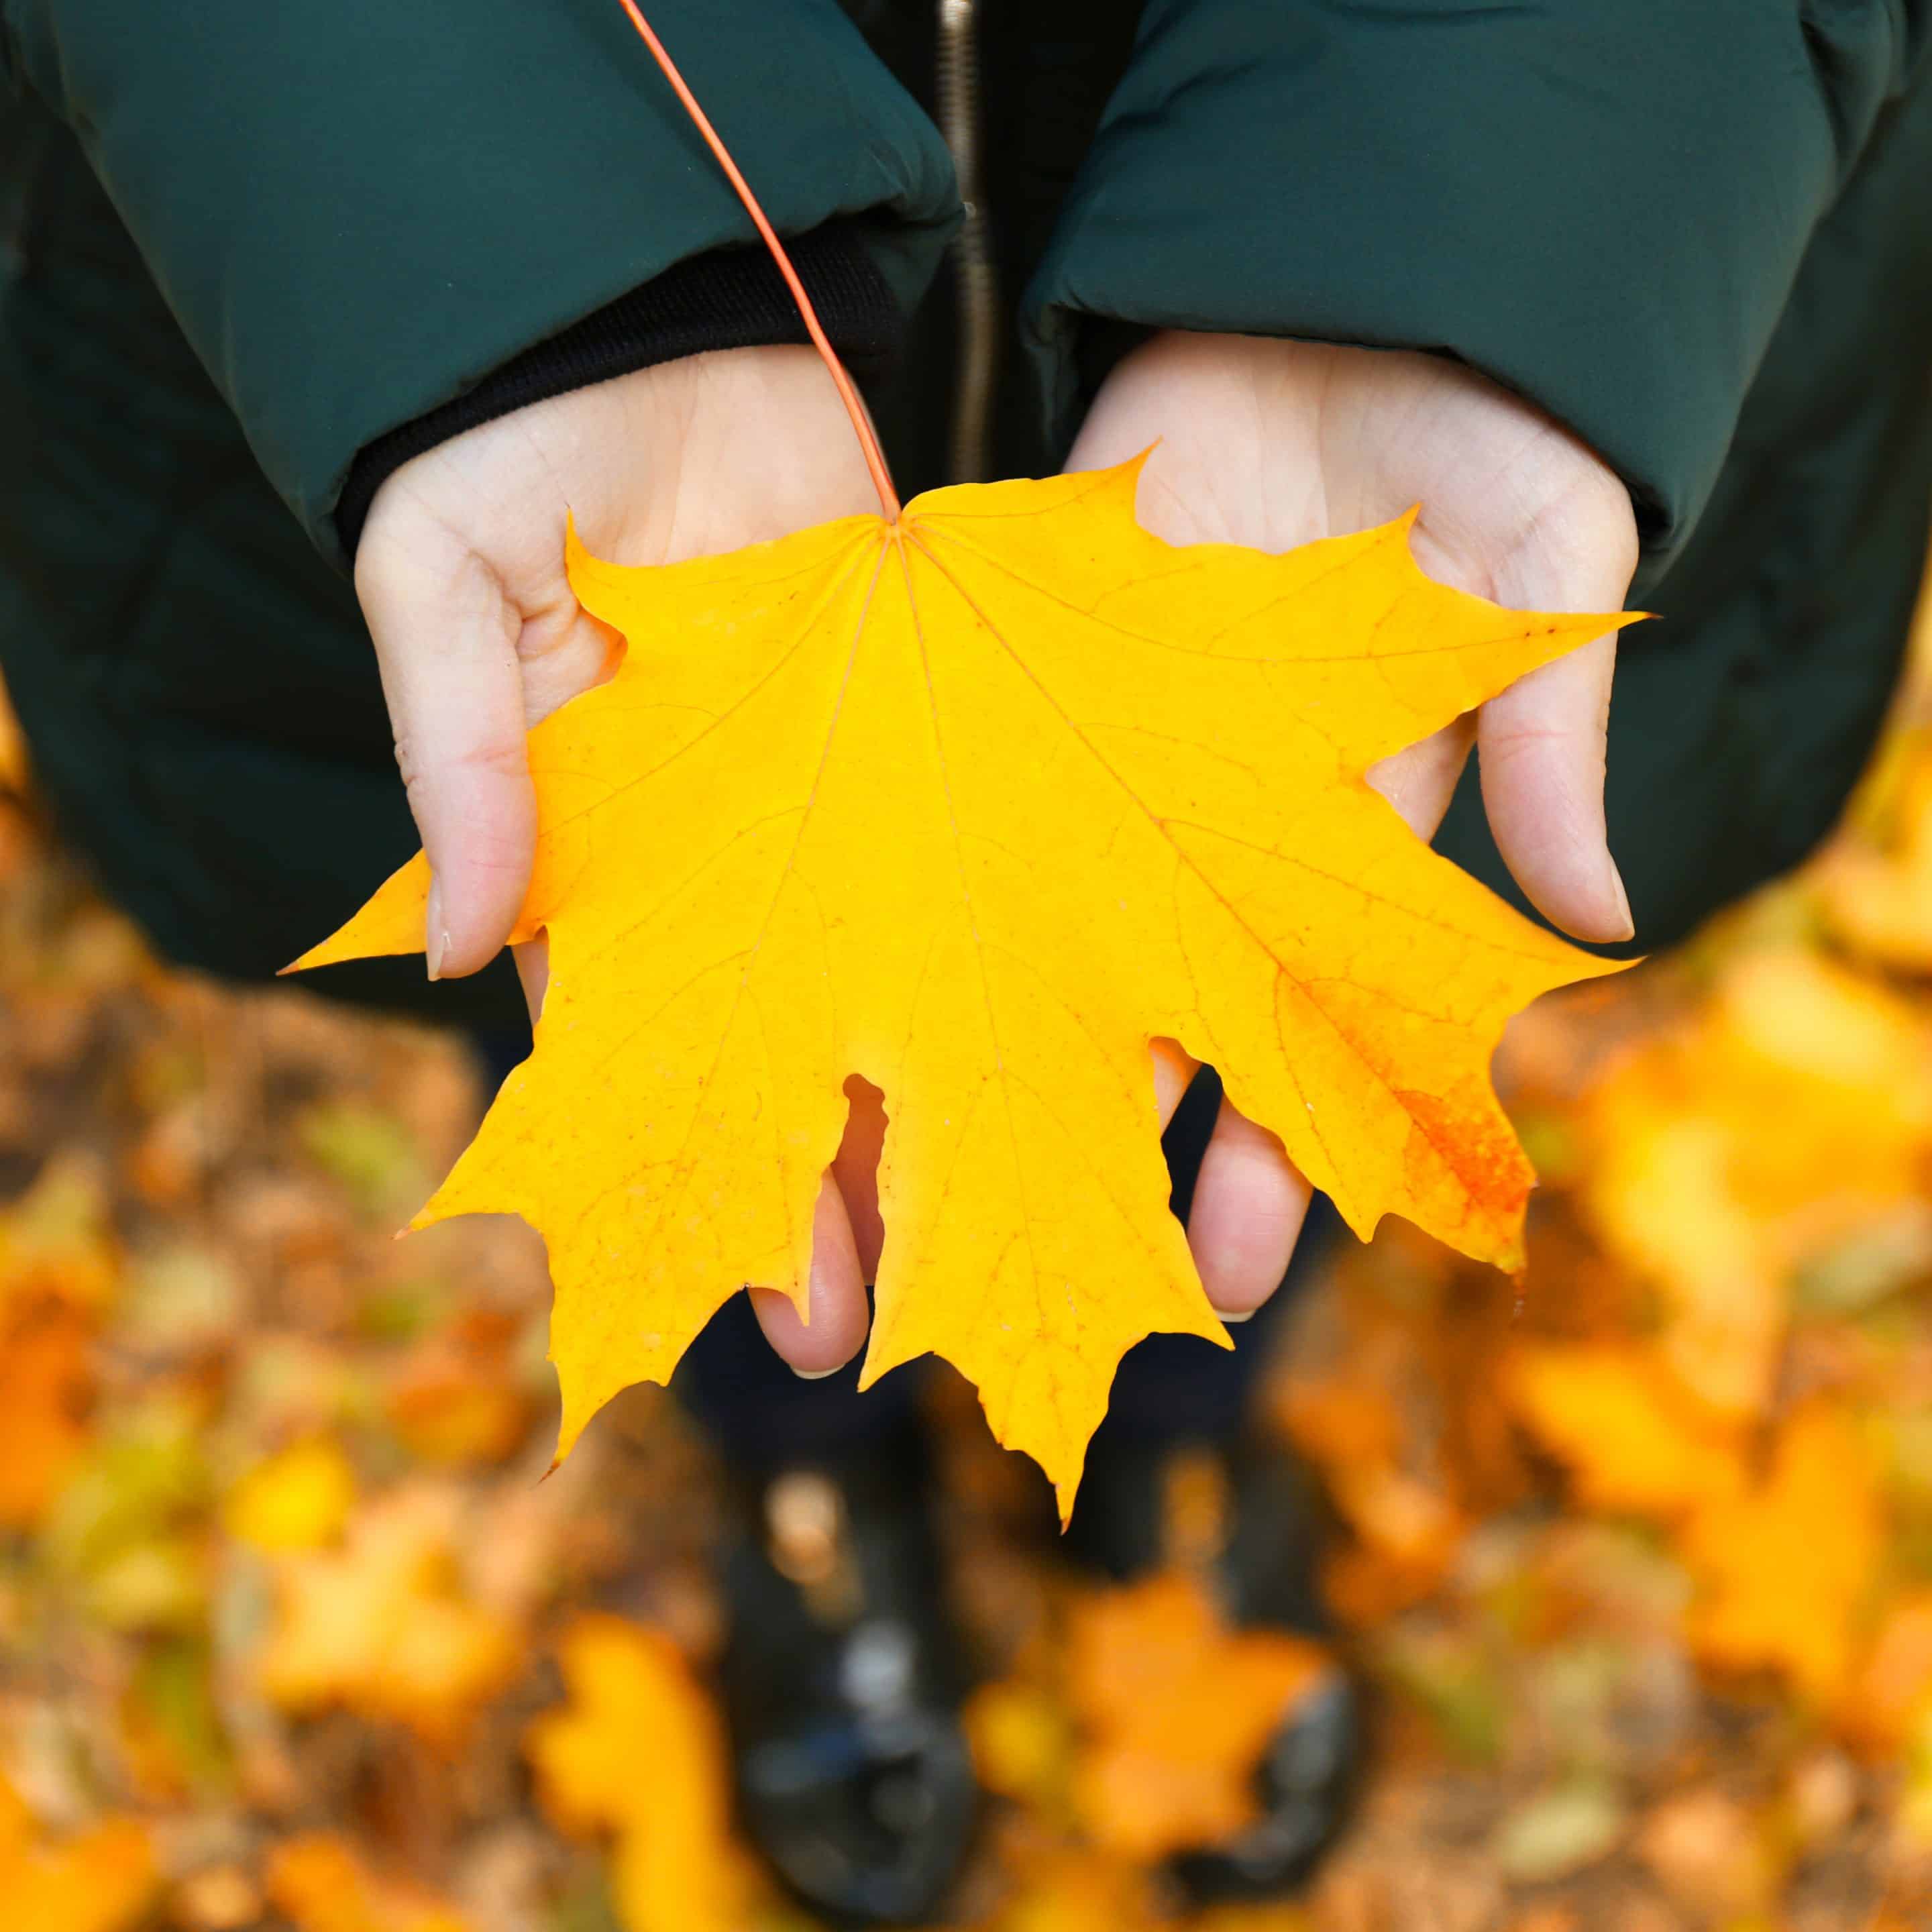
[975, 282]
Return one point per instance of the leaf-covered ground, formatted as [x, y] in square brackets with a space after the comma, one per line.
[1640, 1563]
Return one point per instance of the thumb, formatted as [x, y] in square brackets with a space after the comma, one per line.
[445, 638]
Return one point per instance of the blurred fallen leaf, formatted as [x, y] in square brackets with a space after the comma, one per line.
[128, 1527]
[1634, 1440]
[1688, 1187]
[55, 1243]
[369, 1152]
[1175, 1711]
[1071, 1888]
[217, 1898]
[1892, 1693]
[675, 1867]
[298, 1498]
[320, 1883]
[1876, 892]
[456, 1398]
[382, 1626]
[1785, 1570]
[1559, 1831]
[1712, 1855]
[46, 1386]
[58, 1267]
[98, 1880]
[179, 1299]
[1022, 1742]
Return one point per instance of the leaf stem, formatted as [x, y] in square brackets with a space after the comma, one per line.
[869, 441]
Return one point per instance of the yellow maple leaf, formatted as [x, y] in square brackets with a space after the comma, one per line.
[976, 805]
[676, 1868]
[99, 1880]
[381, 1626]
[1785, 1571]
[319, 1882]
[1176, 1711]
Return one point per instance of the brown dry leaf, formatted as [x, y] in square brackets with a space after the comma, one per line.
[382, 1626]
[638, 1752]
[1175, 1711]
[1690, 1190]
[99, 1880]
[1786, 1571]
[319, 1882]
[1634, 1440]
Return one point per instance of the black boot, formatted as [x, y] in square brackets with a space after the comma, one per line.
[842, 1679]
[1258, 1539]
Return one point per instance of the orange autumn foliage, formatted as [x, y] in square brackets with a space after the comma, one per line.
[99, 1880]
[1174, 1710]
[320, 1883]
[1635, 1441]
[676, 1868]
[383, 1626]
[1786, 1571]
[1689, 1187]
[58, 1271]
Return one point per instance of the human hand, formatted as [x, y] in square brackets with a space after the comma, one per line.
[460, 573]
[1273, 444]
[478, 636]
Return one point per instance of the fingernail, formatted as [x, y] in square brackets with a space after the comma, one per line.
[1623, 903]
[1247, 1314]
[436, 937]
[815, 1374]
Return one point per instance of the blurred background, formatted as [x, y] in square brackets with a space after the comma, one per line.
[1638, 1560]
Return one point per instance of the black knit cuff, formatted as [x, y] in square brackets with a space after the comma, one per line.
[731, 298]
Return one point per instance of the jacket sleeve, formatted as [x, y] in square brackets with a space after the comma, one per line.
[1602, 204]
[359, 212]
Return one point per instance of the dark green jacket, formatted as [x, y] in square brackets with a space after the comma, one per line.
[255, 252]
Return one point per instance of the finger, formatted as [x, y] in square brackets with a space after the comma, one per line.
[1249, 1201]
[1542, 751]
[532, 964]
[1174, 1072]
[445, 640]
[1249, 1206]
[835, 1295]
[1420, 781]
[855, 1167]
